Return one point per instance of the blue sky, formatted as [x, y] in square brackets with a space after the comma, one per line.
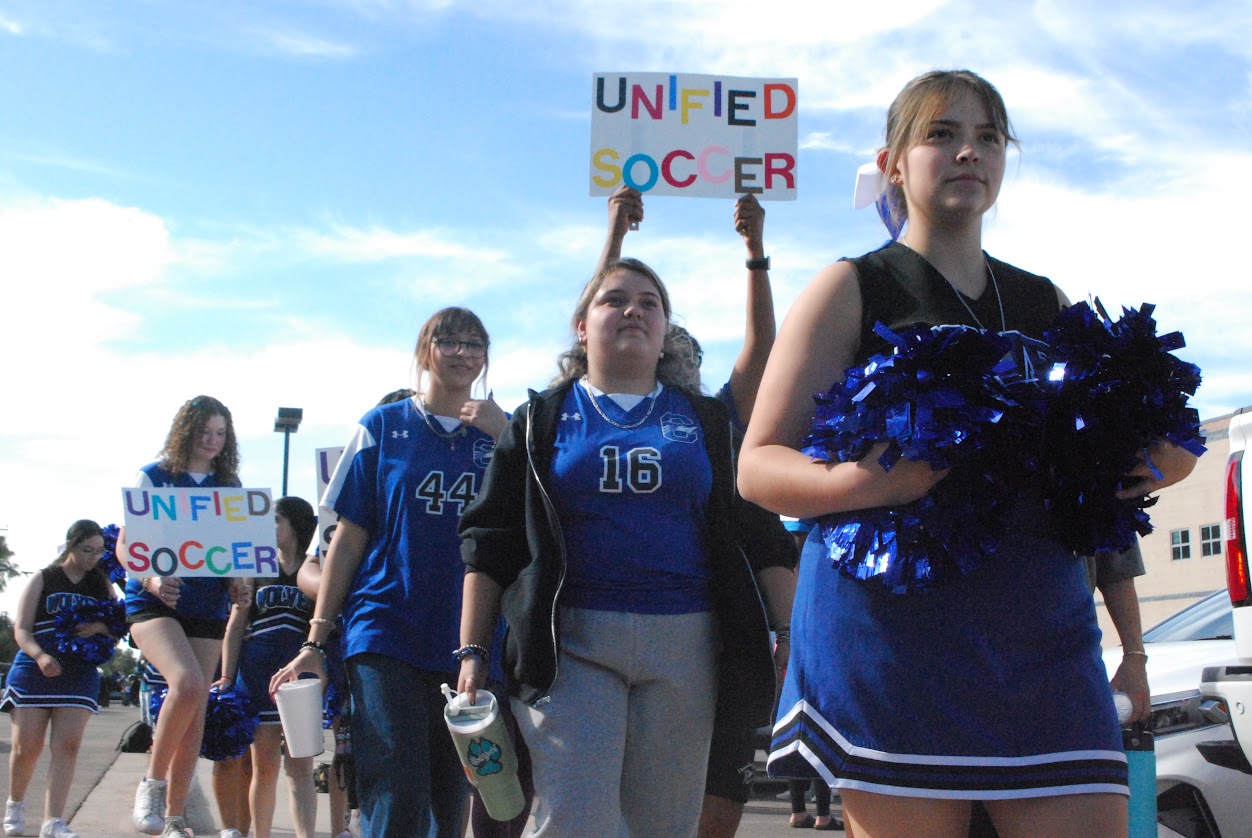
[263, 201]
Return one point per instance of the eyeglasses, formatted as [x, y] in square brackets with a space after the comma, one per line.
[450, 346]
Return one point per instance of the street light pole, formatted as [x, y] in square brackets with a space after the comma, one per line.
[287, 422]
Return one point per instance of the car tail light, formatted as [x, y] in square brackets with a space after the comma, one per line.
[1237, 582]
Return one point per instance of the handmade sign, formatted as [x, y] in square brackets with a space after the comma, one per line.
[694, 135]
[199, 532]
[327, 520]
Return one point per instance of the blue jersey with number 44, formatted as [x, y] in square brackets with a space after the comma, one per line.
[407, 485]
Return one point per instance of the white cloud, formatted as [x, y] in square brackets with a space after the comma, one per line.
[308, 46]
[376, 244]
[826, 141]
[1139, 240]
[10, 26]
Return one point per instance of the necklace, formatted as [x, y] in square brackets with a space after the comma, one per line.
[450, 436]
[596, 404]
[961, 297]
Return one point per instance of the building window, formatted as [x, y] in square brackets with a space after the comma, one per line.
[1211, 540]
[1180, 544]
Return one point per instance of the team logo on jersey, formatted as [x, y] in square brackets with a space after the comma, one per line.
[678, 428]
[282, 596]
[483, 449]
[64, 601]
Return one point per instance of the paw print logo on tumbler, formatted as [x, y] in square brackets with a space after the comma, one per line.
[484, 757]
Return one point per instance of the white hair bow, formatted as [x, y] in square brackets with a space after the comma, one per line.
[871, 188]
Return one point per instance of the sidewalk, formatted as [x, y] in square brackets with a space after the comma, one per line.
[103, 792]
[106, 812]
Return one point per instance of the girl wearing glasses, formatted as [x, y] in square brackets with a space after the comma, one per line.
[178, 624]
[46, 693]
[394, 571]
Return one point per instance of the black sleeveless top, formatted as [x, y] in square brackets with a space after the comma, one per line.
[59, 593]
[900, 288]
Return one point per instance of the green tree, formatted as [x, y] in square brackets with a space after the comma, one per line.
[8, 645]
[7, 568]
[123, 662]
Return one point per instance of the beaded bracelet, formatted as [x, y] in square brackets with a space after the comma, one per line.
[320, 648]
[782, 634]
[1136, 652]
[468, 649]
[321, 621]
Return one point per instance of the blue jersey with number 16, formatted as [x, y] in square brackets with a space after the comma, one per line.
[407, 484]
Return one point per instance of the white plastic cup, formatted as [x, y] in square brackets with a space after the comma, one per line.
[300, 710]
[486, 752]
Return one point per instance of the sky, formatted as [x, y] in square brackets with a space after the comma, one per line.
[264, 201]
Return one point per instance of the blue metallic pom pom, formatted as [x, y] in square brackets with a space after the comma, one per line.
[1117, 389]
[1000, 411]
[956, 398]
[229, 723]
[108, 559]
[94, 649]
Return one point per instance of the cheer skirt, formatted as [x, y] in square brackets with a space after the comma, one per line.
[78, 685]
[989, 687]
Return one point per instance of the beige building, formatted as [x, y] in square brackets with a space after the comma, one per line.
[1184, 557]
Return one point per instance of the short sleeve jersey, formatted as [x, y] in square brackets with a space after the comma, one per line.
[632, 504]
[403, 480]
[200, 597]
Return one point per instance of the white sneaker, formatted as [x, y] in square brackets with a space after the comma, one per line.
[14, 817]
[56, 828]
[149, 813]
[232, 833]
[176, 827]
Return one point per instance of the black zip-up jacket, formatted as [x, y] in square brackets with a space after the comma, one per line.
[512, 533]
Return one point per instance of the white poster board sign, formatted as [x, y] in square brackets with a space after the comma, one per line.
[695, 135]
[199, 532]
[327, 520]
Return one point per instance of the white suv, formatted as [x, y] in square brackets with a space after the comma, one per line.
[1229, 687]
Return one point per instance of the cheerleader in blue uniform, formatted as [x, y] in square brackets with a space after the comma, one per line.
[394, 570]
[53, 694]
[178, 624]
[277, 624]
[990, 687]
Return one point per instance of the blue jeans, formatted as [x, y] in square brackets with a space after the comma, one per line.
[409, 779]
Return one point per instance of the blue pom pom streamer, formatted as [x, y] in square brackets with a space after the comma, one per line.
[956, 398]
[1116, 388]
[1073, 414]
[229, 723]
[94, 649]
[108, 559]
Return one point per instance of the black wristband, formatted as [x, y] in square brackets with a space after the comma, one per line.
[761, 264]
[320, 648]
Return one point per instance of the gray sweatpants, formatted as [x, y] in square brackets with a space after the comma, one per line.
[623, 745]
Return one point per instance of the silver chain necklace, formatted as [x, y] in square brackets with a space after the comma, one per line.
[596, 404]
[961, 297]
[450, 436]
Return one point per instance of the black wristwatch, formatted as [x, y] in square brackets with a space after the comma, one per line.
[761, 264]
